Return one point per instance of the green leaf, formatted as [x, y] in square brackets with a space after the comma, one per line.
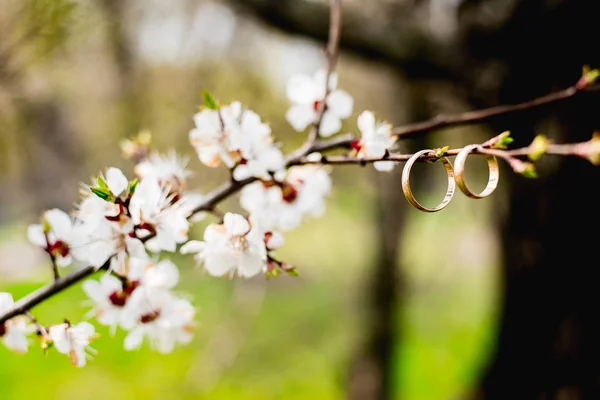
[209, 101]
[104, 194]
[441, 152]
[503, 140]
[132, 185]
[102, 182]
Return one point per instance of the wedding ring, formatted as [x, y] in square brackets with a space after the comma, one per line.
[406, 182]
[459, 169]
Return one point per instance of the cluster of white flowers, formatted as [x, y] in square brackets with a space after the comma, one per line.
[142, 302]
[280, 204]
[122, 225]
[237, 137]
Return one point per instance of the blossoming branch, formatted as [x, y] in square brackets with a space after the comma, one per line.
[122, 226]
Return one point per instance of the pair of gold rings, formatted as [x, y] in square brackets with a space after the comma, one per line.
[455, 177]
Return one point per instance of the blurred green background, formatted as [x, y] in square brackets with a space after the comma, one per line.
[77, 77]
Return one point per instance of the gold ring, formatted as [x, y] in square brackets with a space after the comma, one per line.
[459, 168]
[406, 182]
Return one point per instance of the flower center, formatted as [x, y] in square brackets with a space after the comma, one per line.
[239, 242]
[119, 297]
[318, 104]
[288, 192]
[147, 318]
[356, 144]
[118, 217]
[59, 248]
[2, 329]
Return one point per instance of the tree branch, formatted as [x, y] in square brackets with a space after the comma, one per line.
[332, 52]
[381, 31]
[33, 299]
[474, 117]
[569, 149]
[298, 157]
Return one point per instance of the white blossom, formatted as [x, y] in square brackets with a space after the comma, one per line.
[103, 239]
[217, 136]
[259, 160]
[73, 340]
[282, 204]
[165, 319]
[234, 247]
[58, 238]
[110, 295]
[237, 137]
[169, 170]
[154, 311]
[14, 332]
[152, 211]
[376, 140]
[307, 94]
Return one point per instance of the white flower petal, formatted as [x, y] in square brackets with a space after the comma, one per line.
[193, 246]
[340, 103]
[35, 234]
[301, 89]
[236, 224]
[250, 264]
[366, 123]
[60, 222]
[6, 302]
[219, 264]
[241, 172]
[384, 166]
[64, 261]
[116, 181]
[300, 116]
[214, 234]
[330, 124]
[275, 241]
[134, 339]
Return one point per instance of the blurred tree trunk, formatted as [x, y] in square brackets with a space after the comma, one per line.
[548, 343]
[547, 346]
[374, 372]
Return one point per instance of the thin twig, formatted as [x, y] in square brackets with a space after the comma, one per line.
[33, 299]
[52, 256]
[335, 25]
[572, 149]
[473, 117]
[40, 328]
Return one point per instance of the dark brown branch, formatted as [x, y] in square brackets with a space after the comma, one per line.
[570, 149]
[475, 117]
[33, 299]
[378, 31]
